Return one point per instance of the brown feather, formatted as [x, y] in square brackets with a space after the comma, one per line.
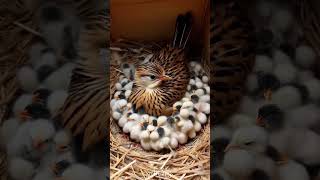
[85, 110]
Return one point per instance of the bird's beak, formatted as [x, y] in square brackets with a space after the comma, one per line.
[24, 115]
[62, 148]
[35, 98]
[37, 144]
[267, 94]
[260, 122]
[230, 147]
[165, 78]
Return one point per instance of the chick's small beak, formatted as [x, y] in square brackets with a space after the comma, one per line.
[230, 147]
[35, 98]
[284, 159]
[24, 115]
[37, 144]
[165, 78]
[62, 148]
[260, 122]
[267, 94]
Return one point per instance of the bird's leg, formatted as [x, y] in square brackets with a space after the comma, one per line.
[267, 94]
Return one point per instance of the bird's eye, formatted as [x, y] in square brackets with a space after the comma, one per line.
[152, 77]
[248, 143]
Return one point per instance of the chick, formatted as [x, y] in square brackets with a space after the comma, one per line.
[285, 72]
[56, 101]
[287, 97]
[305, 56]
[281, 20]
[62, 141]
[44, 174]
[60, 79]
[60, 28]
[146, 144]
[293, 171]
[252, 82]
[46, 65]
[135, 132]
[27, 79]
[296, 117]
[41, 95]
[60, 154]
[271, 117]
[35, 111]
[35, 52]
[313, 86]
[77, 172]
[20, 169]
[32, 139]
[220, 138]
[267, 83]
[239, 163]
[21, 103]
[263, 64]
[256, 141]
[240, 120]
[8, 130]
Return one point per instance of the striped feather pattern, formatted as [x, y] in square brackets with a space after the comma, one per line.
[86, 108]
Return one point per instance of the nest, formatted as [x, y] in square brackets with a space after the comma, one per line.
[127, 158]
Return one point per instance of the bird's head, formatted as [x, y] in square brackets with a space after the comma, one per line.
[271, 117]
[62, 141]
[150, 75]
[41, 133]
[251, 138]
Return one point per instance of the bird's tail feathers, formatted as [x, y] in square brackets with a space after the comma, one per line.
[182, 30]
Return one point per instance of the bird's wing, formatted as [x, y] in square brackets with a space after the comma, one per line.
[231, 57]
[86, 108]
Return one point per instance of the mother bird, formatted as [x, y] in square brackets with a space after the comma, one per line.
[232, 53]
[163, 80]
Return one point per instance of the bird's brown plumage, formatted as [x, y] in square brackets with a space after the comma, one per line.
[86, 108]
[231, 57]
[169, 61]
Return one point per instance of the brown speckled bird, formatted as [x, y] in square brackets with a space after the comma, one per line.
[86, 108]
[163, 80]
[232, 55]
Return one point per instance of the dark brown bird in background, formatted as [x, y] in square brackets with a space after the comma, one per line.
[163, 80]
[232, 55]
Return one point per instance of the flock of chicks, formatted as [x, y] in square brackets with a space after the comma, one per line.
[38, 147]
[275, 134]
[164, 132]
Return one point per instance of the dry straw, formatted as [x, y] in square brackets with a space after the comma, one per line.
[129, 161]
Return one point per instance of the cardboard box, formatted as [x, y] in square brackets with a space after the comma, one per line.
[154, 20]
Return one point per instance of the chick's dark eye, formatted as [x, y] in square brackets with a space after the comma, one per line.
[152, 77]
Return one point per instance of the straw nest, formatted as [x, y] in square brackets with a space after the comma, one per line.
[128, 160]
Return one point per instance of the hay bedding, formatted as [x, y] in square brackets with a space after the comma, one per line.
[127, 158]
